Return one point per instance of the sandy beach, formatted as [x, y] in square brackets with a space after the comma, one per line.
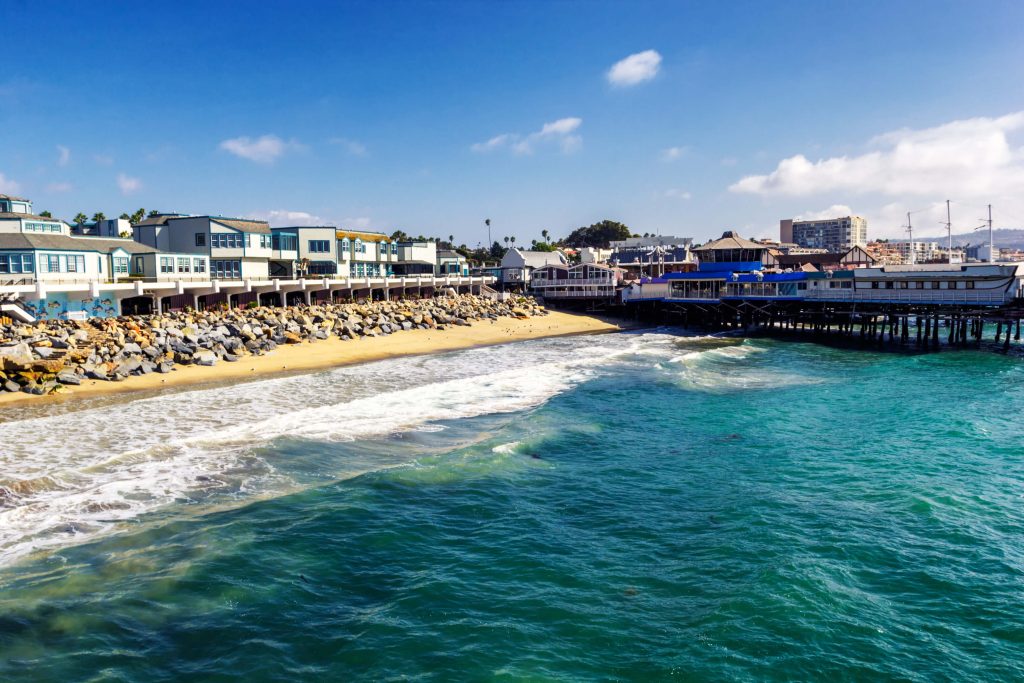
[335, 352]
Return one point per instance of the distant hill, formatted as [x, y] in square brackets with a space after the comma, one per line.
[1005, 238]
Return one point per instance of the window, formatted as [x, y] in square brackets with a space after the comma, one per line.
[166, 264]
[319, 246]
[226, 269]
[359, 247]
[99, 264]
[16, 263]
[890, 285]
[874, 285]
[265, 241]
[284, 242]
[199, 265]
[227, 240]
[344, 244]
[139, 266]
[969, 284]
[184, 265]
[394, 247]
[120, 265]
[200, 239]
[935, 284]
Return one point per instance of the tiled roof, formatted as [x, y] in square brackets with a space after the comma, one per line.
[21, 240]
[27, 216]
[13, 199]
[243, 225]
[730, 240]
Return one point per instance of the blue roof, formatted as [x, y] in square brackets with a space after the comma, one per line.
[771, 277]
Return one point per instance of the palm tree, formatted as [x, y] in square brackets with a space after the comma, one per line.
[46, 214]
[154, 212]
[506, 241]
[81, 218]
[98, 216]
[544, 234]
[125, 217]
[451, 241]
[137, 216]
[513, 238]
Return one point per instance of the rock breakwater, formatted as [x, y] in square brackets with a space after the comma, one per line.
[44, 357]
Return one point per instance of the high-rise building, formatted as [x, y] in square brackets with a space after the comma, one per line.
[838, 235]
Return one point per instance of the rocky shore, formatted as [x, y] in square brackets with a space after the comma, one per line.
[44, 357]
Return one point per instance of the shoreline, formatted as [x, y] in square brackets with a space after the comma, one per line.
[334, 352]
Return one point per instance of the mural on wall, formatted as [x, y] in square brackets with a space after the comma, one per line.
[58, 305]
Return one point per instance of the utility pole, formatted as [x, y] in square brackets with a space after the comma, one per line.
[991, 244]
[910, 231]
[949, 234]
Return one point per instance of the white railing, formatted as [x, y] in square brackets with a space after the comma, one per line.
[569, 282]
[956, 296]
[567, 293]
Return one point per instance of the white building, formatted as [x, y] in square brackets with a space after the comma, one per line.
[923, 252]
[837, 235]
[239, 248]
[518, 264]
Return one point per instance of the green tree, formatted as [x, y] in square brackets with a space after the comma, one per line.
[46, 214]
[597, 235]
[400, 236]
[137, 216]
[513, 238]
[98, 216]
[497, 251]
[125, 217]
[154, 212]
[80, 218]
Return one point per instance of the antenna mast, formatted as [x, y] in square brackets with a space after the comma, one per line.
[991, 245]
[910, 231]
[949, 233]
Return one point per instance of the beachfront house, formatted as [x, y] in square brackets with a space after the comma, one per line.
[451, 262]
[362, 253]
[416, 258]
[238, 248]
[16, 217]
[518, 264]
[29, 257]
[582, 281]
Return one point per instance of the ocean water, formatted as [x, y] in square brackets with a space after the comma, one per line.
[639, 506]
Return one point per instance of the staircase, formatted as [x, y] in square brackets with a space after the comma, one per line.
[493, 294]
[11, 307]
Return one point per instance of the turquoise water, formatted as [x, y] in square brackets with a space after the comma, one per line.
[625, 507]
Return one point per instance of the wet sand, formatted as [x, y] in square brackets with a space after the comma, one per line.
[335, 352]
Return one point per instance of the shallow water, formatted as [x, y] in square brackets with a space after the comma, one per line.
[633, 506]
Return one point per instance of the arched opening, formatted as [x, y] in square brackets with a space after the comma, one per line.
[295, 298]
[137, 305]
[270, 299]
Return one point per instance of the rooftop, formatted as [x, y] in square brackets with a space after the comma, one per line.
[730, 240]
[13, 199]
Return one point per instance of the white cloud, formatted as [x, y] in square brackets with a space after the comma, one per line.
[265, 149]
[360, 222]
[128, 184]
[103, 159]
[673, 153]
[63, 155]
[8, 186]
[965, 158]
[353, 147]
[677, 194]
[833, 211]
[57, 188]
[282, 218]
[560, 132]
[636, 68]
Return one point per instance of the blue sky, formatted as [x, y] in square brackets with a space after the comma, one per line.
[379, 114]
